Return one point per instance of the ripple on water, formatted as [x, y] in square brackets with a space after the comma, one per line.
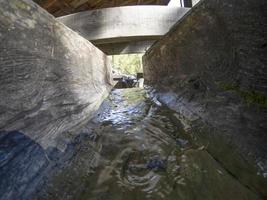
[142, 153]
[146, 171]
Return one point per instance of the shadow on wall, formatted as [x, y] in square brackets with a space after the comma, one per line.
[25, 165]
[21, 160]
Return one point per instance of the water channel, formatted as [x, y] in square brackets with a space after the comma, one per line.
[137, 149]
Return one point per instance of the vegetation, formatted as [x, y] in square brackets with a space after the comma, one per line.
[249, 96]
[128, 64]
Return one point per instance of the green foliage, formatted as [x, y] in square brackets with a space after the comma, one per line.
[128, 64]
[249, 96]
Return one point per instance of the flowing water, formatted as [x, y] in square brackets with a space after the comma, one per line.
[136, 149]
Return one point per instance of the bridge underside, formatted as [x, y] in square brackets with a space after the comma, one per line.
[130, 47]
[124, 30]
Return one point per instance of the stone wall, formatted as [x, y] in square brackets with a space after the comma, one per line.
[211, 69]
[51, 82]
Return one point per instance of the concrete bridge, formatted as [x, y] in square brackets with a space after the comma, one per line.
[122, 30]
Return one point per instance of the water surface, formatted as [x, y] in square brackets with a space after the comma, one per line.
[136, 149]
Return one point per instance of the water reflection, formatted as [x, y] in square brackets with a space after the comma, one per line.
[136, 150]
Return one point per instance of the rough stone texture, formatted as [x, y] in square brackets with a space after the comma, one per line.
[211, 69]
[51, 82]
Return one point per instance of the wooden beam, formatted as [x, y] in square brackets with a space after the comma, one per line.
[63, 7]
[48, 4]
[78, 3]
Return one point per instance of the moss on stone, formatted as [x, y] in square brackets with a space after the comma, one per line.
[250, 97]
[228, 86]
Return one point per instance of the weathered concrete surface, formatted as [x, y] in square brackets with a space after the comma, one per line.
[51, 82]
[124, 24]
[211, 69]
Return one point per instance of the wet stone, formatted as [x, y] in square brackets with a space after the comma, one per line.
[157, 164]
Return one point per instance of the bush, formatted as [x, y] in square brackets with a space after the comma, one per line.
[128, 64]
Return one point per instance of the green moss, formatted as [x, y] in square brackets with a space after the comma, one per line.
[250, 97]
[253, 97]
[228, 86]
